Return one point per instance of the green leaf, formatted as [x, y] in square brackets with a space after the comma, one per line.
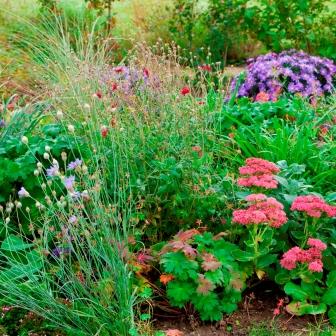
[329, 297]
[299, 308]
[242, 255]
[296, 292]
[179, 265]
[266, 260]
[332, 316]
[13, 243]
[179, 292]
[331, 279]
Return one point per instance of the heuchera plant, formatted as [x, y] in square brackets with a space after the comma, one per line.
[293, 72]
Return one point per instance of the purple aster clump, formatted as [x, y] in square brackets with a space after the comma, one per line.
[290, 71]
[74, 164]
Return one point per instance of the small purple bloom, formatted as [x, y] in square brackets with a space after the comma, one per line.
[75, 195]
[69, 182]
[53, 170]
[73, 219]
[74, 164]
[59, 251]
[23, 193]
[2, 123]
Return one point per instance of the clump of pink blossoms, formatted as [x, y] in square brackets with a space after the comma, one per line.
[312, 256]
[258, 173]
[261, 210]
[313, 206]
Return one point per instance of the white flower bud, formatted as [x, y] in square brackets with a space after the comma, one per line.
[59, 114]
[39, 165]
[7, 220]
[87, 106]
[64, 156]
[27, 209]
[24, 140]
[49, 182]
[46, 156]
[47, 149]
[38, 205]
[84, 169]
[18, 205]
[43, 186]
[71, 128]
[55, 162]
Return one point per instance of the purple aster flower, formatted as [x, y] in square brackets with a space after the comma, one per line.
[69, 182]
[23, 193]
[53, 170]
[2, 123]
[74, 164]
[289, 71]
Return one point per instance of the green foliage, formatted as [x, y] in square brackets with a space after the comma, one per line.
[204, 272]
[306, 24]
[226, 27]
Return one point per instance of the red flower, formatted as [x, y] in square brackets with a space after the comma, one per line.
[98, 95]
[262, 97]
[185, 90]
[205, 67]
[104, 131]
[114, 86]
[146, 72]
[119, 69]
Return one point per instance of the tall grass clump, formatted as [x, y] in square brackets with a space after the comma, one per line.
[71, 263]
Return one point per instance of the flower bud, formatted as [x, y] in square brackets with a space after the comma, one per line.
[71, 128]
[24, 140]
[46, 156]
[47, 148]
[36, 172]
[59, 114]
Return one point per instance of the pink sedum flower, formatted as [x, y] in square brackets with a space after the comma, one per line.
[262, 210]
[312, 256]
[247, 217]
[317, 243]
[316, 266]
[258, 173]
[313, 206]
